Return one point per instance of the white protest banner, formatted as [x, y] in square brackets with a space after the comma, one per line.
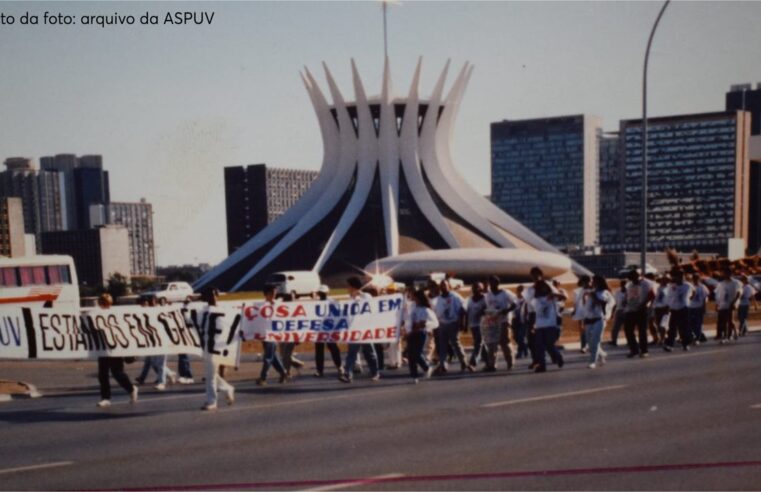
[121, 331]
[373, 320]
[219, 329]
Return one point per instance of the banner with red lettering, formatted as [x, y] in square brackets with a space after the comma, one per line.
[365, 320]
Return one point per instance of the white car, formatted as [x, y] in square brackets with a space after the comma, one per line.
[422, 282]
[171, 292]
[295, 283]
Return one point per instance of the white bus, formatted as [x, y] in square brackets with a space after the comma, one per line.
[36, 280]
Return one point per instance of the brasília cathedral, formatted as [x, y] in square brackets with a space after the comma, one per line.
[388, 199]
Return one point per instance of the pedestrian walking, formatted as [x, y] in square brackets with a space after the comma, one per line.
[450, 312]
[214, 380]
[727, 293]
[422, 322]
[679, 293]
[503, 302]
[598, 304]
[618, 313]
[270, 357]
[545, 322]
[114, 366]
[578, 310]
[368, 352]
[747, 295]
[661, 307]
[696, 309]
[639, 297]
[520, 324]
[475, 307]
[319, 347]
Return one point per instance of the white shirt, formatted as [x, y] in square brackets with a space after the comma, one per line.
[475, 310]
[448, 309]
[661, 296]
[561, 303]
[420, 313]
[678, 296]
[594, 309]
[726, 292]
[546, 312]
[698, 299]
[409, 305]
[528, 294]
[578, 304]
[746, 294]
[503, 299]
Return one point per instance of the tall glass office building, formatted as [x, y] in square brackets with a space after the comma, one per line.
[698, 181]
[544, 173]
[611, 192]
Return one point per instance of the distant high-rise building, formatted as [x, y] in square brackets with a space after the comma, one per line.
[754, 211]
[41, 193]
[698, 181]
[12, 241]
[138, 219]
[98, 253]
[256, 195]
[544, 174]
[86, 184]
[742, 97]
[611, 192]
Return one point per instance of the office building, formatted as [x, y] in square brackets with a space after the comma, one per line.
[41, 193]
[98, 253]
[12, 239]
[86, 184]
[544, 173]
[698, 181]
[754, 211]
[138, 219]
[256, 195]
[611, 191]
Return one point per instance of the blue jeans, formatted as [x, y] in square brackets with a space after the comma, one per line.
[695, 321]
[368, 352]
[155, 362]
[618, 323]
[475, 356]
[545, 339]
[520, 330]
[449, 336]
[270, 358]
[415, 344]
[183, 366]
[593, 333]
[742, 318]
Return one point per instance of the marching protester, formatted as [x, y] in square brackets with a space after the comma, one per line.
[368, 351]
[679, 293]
[747, 294]
[394, 348]
[639, 296]
[650, 280]
[562, 296]
[727, 293]
[545, 322]
[287, 358]
[319, 348]
[661, 309]
[270, 356]
[448, 307]
[537, 275]
[618, 313]
[520, 324]
[578, 309]
[597, 308]
[214, 381]
[501, 302]
[422, 322]
[696, 309]
[475, 308]
[114, 365]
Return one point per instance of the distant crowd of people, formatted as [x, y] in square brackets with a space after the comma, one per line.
[661, 311]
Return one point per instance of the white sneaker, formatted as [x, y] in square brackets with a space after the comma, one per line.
[160, 387]
[186, 381]
[133, 395]
[415, 381]
[592, 365]
[231, 396]
[172, 377]
[103, 404]
[430, 371]
[209, 407]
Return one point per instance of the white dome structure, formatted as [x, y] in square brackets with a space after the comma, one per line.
[387, 187]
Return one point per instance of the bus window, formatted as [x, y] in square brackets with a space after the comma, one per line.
[26, 275]
[65, 274]
[54, 275]
[8, 277]
[38, 275]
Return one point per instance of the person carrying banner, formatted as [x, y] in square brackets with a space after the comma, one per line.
[421, 323]
[355, 294]
[319, 347]
[114, 365]
[270, 357]
[214, 381]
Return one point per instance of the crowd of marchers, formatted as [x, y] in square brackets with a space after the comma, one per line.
[665, 311]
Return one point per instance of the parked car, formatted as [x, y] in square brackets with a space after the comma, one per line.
[422, 282]
[624, 272]
[171, 292]
[295, 283]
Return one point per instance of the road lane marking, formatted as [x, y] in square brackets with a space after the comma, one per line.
[357, 483]
[758, 405]
[36, 467]
[309, 400]
[553, 397]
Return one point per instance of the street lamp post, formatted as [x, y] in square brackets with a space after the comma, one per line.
[643, 254]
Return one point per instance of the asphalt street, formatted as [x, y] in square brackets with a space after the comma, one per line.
[673, 421]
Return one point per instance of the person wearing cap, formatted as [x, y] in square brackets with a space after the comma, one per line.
[679, 293]
[114, 365]
[368, 351]
[319, 347]
[270, 357]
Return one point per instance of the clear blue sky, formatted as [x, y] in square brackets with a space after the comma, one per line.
[169, 106]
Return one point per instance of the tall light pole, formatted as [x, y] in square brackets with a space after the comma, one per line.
[643, 254]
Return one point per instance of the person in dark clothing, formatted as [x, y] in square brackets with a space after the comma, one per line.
[114, 365]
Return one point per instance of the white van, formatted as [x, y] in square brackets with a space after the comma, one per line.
[296, 283]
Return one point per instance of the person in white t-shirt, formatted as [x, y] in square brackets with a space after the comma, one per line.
[475, 308]
[696, 309]
[747, 295]
[537, 275]
[679, 294]
[661, 308]
[618, 313]
[499, 303]
[449, 310]
[545, 321]
[639, 296]
[422, 321]
[727, 294]
[598, 305]
[368, 351]
[578, 309]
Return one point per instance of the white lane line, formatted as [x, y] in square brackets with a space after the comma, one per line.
[553, 397]
[756, 406]
[355, 483]
[309, 400]
[36, 467]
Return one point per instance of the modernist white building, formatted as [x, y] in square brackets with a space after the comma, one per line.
[388, 189]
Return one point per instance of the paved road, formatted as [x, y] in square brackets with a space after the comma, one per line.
[674, 421]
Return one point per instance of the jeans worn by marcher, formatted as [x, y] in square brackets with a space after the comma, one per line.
[475, 355]
[635, 326]
[618, 323]
[545, 339]
[742, 317]
[183, 366]
[679, 322]
[271, 359]
[415, 344]
[695, 320]
[449, 336]
[368, 352]
[157, 363]
[594, 329]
